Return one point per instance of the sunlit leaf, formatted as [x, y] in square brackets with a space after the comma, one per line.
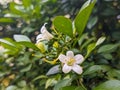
[83, 16]
[64, 25]
[20, 38]
[100, 41]
[6, 20]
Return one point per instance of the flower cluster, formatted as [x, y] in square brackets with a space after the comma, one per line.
[69, 61]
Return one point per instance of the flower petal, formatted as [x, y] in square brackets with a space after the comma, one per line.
[66, 68]
[79, 58]
[76, 68]
[70, 54]
[62, 58]
[47, 35]
[43, 28]
[39, 36]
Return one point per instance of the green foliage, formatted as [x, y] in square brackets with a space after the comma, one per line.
[109, 85]
[63, 25]
[26, 65]
[83, 16]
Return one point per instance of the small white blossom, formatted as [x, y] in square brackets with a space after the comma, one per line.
[5, 2]
[45, 35]
[70, 62]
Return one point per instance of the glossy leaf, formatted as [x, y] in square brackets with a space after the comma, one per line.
[53, 70]
[63, 24]
[19, 38]
[83, 16]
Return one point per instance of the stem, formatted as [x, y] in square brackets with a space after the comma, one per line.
[82, 85]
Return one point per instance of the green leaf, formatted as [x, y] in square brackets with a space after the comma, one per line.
[19, 38]
[26, 3]
[82, 38]
[11, 88]
[92, 22]
[6, 42]
[85, 44]
[100, 40]
[40, 77]
[96, 68]
[80, 88]
[114, 73]
[64, 25]
[28, 44]
[27, 68]
[109, 85]
[53, 70]
[83, 16]
[50, 82]
[22, 83]
[6, 20]
[68, 88]
[108, 48]
[62, 83]
[14, 10]
[90, 48]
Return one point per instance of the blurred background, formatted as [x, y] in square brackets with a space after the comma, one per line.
[27, 16]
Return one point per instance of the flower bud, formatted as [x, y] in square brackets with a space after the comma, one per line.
[55, 44]
[41, 46]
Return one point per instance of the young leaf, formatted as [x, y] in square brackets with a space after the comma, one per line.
[90, 48]
[83, 16]
[100, 40]
[64, 25]
[109, 85]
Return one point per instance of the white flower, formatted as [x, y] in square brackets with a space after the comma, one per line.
[45, 35]
[5, 2]
[70, 62]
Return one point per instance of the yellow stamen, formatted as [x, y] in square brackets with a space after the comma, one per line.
[71, 61]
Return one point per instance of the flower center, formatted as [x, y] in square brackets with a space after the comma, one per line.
[71, 61]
